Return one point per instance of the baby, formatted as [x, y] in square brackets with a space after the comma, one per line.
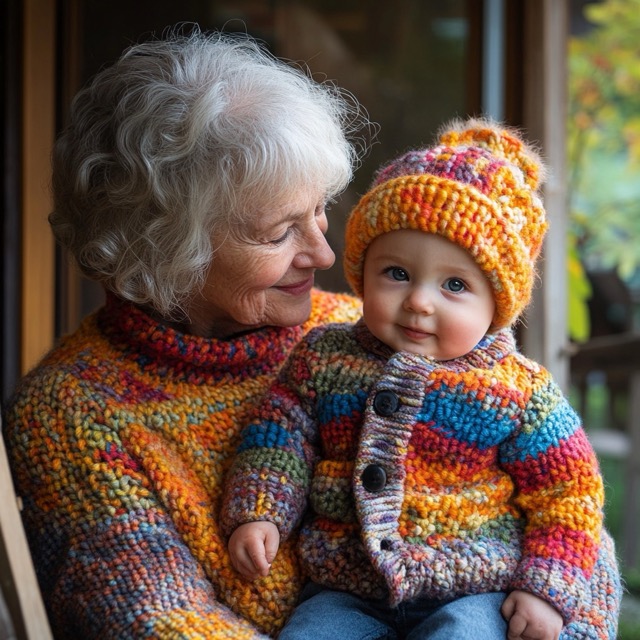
[445, 486]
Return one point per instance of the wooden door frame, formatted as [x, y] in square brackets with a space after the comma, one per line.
[544, 116]
[38, 131]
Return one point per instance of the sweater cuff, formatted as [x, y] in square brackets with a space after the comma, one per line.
[265, 484]
[561, 585]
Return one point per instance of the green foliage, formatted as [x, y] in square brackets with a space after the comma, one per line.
[628, 631]
[604, 137]
[579, 292]
[604, 150]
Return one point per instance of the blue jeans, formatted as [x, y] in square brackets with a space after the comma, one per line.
[332, 615]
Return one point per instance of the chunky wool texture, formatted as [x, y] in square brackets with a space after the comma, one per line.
[420, 477]
[479, 189]
[118, 442]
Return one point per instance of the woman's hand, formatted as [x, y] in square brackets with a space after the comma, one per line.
[530, 617]
[253, 547]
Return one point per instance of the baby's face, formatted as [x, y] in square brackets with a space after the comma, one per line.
[425, 294]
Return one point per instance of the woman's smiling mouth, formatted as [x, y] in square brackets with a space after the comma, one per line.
[297, 288]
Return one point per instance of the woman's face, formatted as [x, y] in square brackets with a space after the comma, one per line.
[263, 271]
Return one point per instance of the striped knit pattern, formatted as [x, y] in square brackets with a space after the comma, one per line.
[118, 441]
[491, 483]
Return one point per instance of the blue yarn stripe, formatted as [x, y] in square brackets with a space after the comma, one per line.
[337, 405]
[265, 434]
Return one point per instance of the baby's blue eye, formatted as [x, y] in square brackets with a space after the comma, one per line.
[397, 273]
[455, 285]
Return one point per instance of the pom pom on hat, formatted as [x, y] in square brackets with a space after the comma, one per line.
[477, 188]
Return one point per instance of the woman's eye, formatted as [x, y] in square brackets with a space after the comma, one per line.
[282, 238]
[455, 285]
[397, 273]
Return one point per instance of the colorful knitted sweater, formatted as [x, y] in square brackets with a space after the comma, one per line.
[429, 478]
[118, 442]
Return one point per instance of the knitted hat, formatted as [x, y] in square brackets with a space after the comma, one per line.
[477, 188]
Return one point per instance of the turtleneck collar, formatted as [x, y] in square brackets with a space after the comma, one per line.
[157, 345]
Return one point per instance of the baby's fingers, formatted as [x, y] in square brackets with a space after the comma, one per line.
[252, 547]
[248, 563]
[517, 626]
[258, 558]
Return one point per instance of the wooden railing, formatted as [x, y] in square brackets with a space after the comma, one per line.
[618, 358]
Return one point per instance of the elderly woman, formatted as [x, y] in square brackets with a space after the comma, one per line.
[191, 182]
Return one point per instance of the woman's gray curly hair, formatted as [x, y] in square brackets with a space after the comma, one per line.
[180, 137]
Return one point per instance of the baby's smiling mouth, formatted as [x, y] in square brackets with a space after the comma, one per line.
[412, 332]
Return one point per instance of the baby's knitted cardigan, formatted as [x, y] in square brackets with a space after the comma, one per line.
[430, 478]
[118, 442]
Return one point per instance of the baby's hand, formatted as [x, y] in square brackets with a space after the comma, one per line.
[253, 547]
[530, 617]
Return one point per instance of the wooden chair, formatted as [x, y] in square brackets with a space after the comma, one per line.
[22, 612]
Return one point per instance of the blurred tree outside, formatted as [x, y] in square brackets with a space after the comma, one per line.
[603, 152]
[604, 234]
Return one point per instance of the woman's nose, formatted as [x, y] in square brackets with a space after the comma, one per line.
[326, 256]
[317, 253]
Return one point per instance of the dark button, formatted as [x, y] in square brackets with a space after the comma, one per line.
[374, 478]
[386, 545]
[386, 403]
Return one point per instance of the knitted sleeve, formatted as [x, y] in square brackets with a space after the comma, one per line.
[560, 490]
[110, 561]
[271, 474]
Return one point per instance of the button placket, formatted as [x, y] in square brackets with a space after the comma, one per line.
[374, 476]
